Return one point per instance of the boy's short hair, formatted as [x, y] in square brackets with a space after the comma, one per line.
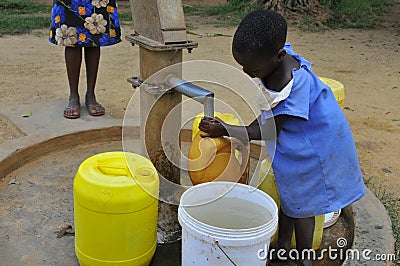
[260, 31]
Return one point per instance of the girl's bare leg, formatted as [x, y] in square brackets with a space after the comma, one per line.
[73, 59]
[92, 59]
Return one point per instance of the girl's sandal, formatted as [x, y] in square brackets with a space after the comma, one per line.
[72, 112]
[95, 109]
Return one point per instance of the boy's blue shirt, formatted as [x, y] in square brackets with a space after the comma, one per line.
[315, 162]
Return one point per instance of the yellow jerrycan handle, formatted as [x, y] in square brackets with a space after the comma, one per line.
[141, 174]
[213, 159]
[113, 170]
[244, 165]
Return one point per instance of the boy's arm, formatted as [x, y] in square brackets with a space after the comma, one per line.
[270, 129]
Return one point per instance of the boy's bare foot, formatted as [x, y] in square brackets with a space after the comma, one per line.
[94, 108]
[72, 111]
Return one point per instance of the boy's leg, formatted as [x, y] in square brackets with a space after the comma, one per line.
[92, 59]
[286, 226]
[73, 59]
[304, 230]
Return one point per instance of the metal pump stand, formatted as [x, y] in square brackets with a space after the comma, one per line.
[160, 32]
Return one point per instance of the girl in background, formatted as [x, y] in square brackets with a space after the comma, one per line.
[89, 24]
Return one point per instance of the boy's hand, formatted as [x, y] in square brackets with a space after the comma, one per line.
[213, 127]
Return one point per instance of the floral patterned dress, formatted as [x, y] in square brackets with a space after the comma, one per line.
[85, 23]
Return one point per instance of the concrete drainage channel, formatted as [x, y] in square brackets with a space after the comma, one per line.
[36, 201]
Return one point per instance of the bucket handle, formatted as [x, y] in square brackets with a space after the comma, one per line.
[223, 251]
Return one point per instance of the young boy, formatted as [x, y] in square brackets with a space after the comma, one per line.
[315, 161]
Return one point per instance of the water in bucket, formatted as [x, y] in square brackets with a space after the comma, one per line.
[231, 213]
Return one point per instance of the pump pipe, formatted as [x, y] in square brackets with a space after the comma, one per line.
[203, 96]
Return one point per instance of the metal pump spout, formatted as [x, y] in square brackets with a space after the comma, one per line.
[195, 92]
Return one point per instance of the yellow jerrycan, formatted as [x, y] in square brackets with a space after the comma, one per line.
[116, 210]
[222, 146]
[213, 159]
[268, 185]
[337, 89]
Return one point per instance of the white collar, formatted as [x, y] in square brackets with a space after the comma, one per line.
[267, 99]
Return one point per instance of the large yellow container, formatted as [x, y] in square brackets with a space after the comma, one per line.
[115, 210]
[337, 89]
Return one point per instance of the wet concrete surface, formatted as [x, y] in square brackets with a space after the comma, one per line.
[167, 254]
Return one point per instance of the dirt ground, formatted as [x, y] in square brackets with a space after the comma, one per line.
[366, 61]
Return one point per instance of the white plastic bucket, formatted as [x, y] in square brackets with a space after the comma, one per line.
[204, 244]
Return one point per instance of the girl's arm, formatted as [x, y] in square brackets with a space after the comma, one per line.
[216, 128]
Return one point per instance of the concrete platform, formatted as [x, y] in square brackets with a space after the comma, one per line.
[48, 138]
[47, 118]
